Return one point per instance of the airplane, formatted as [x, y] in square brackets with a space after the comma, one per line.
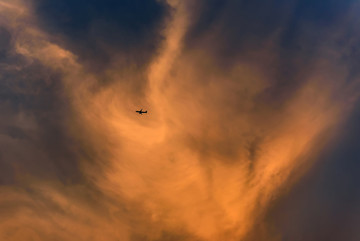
[141, 112]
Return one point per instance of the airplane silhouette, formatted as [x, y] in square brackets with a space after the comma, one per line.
[141, 112]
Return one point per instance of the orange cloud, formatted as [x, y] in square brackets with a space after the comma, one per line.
[205, 162]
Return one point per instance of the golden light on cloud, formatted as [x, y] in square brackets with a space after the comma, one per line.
[205, 163]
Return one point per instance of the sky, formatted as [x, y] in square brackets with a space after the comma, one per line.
[251, 132]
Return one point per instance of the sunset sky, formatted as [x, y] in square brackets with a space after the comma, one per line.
[252, 131]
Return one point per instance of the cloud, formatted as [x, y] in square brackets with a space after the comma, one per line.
[325, 202]
[97, 32]
[242, 100]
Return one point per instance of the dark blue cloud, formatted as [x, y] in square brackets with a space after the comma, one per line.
[96, 29]
[237, 30]
[236, 22]
[325, 205]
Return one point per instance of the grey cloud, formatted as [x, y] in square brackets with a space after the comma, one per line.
[33, 112]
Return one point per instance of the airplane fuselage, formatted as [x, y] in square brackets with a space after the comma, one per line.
[141, 112]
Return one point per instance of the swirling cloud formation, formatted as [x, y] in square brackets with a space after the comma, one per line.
[249, 104]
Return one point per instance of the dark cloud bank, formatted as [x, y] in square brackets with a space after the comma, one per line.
[96, 30]
[33, 110]
[325, 205]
